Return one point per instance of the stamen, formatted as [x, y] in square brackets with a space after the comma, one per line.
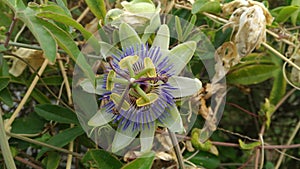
[127, 62]
[110, 59]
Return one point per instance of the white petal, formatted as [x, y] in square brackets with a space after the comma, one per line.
[181, 55]
[173, 121]
[184, 86]
[146, 137]
[100, 118]
[128, 37]
[123, 137]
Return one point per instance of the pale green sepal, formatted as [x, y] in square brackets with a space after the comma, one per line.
[128, 36]
[147, 136]
[123, 137]
[138, 7]
[162, 38]
[100, 118]
[173, 121]
[108, 50]
[184, 86]
[181, 55]
[87, 86]
[153, 25]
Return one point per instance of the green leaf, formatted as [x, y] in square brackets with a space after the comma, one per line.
[252, 74]
[3, 67]
[181, 55]
[285, 13]
[62, 139]
[4, 81]
[67, 20]
[52, 160]
[63, 4]
[296, 14]
[39, 96]
[98, 8]
[56, 113]
[51, 7]
[128, 36]
[66, 42]
[184, 86]
[52, 80]
[123, 137]
[30, 124]
[278, 88]
[15, 5]
[6, 97]
[143, 162]
[43, 36]
[249, 146]
[206, 6]
[101, 159]
[203, 159]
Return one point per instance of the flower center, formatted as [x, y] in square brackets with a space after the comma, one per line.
[139, 85]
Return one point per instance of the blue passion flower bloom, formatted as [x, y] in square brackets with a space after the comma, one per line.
[138, 88]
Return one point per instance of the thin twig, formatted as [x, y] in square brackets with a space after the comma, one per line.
[66, 81]
[177, 149]
[36, 47]
[260, 135]
[262, 151]
[280, 55]
[43, 144]
[70, 102]
[83, 14]
[246, 163]
[26, 96]
[24, 161]
[281, 157]
[11, 27]
[244, 110]
[257, 154]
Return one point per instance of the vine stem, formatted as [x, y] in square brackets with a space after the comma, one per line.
[26, 96]
[8, 158]
[177, 149]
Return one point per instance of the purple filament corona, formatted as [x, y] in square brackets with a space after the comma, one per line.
[136, 115]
